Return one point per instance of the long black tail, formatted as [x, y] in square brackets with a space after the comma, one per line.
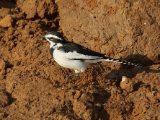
[121, 61]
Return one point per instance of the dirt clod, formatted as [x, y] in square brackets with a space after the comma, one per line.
[2, 69]
[42, 8]
[7, 21]
[4, 99]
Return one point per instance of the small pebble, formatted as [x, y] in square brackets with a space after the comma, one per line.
[126, 84]
[7, 21]
[77, 94]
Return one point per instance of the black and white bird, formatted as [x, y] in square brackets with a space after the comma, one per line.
[74, 56]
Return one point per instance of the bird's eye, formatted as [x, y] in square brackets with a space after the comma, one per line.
[50, 38]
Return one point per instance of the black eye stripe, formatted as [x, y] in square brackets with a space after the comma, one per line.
[51, 38]
[55, 40]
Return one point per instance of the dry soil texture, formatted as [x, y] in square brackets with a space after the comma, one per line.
[34, 87]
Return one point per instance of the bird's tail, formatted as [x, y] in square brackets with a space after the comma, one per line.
[121, 61]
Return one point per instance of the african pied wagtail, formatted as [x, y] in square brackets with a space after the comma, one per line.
[73, 56]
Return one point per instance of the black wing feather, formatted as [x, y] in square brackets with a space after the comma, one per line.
[71, 47]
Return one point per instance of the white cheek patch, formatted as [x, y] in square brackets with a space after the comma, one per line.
[59, 45]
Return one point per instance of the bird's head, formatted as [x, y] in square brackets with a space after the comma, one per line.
[54, 38]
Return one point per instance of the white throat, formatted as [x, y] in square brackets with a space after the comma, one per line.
[51, 44]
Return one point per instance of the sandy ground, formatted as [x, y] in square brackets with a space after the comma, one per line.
[34, 87]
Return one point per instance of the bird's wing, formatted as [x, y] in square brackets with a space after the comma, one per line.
[77, 52]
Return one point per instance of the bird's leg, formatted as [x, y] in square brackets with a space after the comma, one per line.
[71, 78]
[77, 73]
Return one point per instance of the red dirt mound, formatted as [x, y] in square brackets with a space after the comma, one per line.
[33, 86]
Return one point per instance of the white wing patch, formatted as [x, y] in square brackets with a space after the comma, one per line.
[75, 55]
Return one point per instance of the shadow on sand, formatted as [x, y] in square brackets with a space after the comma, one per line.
[131, 71]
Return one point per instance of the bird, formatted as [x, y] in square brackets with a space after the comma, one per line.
[74, 56]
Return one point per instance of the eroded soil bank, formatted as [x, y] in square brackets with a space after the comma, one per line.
[34, 87]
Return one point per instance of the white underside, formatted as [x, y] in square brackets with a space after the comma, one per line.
[64, 61]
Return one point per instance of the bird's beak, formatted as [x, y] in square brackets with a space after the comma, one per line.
[43, 38]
